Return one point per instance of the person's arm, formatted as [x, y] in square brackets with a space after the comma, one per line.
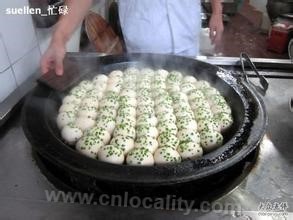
[216, 22]
[53, 57]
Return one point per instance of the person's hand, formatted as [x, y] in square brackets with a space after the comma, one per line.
[53, 58]
[216, 28]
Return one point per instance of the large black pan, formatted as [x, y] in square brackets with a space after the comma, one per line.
[185, 179]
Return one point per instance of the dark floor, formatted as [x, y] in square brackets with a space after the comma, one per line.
[243, 34]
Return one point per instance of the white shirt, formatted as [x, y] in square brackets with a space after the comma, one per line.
[161, 26]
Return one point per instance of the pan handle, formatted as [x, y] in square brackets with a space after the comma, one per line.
[244, 58]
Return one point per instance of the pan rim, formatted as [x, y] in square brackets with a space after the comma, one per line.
[201, 172]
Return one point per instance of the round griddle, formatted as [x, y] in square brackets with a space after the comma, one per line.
[185, 179]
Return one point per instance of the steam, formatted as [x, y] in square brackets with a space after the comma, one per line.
[92, 64]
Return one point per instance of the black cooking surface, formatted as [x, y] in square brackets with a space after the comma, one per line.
[22, 192]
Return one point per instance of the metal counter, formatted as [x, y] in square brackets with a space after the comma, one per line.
[22, 191]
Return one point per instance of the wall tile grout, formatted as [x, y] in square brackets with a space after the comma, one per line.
[16, 61]
[10, 63]
[6, 53]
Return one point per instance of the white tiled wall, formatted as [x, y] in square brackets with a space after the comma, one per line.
[17, 30]
[7, 82]
[19, 50]
[27, 65]
[4, 61]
